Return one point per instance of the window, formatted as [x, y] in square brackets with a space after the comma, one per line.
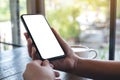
[10, 30]
[83, 22]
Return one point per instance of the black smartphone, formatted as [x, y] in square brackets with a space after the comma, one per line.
[45, 42]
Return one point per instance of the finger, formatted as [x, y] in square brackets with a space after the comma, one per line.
[51, 65]
[58, 36]
[57, 74]
[45, 63]
[37, 62]
[29, 44]
[33, 55]
[63, 44]
[26, 35]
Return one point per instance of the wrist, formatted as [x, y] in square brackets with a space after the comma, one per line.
[77, 65]
[75, 62]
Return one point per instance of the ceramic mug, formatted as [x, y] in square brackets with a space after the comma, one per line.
[84, 52]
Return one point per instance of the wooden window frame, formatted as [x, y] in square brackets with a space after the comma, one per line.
[112, 37]
[35, 7]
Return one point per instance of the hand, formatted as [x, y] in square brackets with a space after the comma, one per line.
[66, 64]
[30, 47]
[38, 70]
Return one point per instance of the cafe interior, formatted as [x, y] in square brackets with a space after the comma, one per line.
[90, 23]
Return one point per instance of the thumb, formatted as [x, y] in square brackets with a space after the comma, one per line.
[62, 42]
[45, 63]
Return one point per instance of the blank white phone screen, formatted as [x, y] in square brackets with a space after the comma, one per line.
[43, 37]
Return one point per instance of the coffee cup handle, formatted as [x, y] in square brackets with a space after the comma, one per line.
[92, 50]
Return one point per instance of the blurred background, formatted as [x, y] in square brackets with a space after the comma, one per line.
[79, 22]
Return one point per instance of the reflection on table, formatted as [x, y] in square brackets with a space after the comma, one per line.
[13, 64]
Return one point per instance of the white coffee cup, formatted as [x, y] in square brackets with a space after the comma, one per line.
[84, 52]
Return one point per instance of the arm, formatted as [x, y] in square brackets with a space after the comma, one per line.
[98, 69]
[95, 69]
[83, 67]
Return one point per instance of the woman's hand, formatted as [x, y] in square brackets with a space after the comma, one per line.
[65, 64]
[31, 47]
[38, 70]
[68, 63]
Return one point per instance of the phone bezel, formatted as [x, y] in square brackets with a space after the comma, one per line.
[38, 52]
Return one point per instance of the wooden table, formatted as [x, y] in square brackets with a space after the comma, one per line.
[13, 64]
